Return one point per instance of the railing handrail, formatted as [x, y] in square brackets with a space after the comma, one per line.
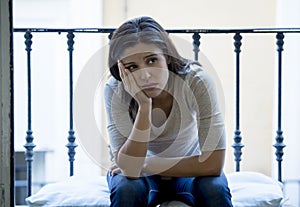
[187, 30]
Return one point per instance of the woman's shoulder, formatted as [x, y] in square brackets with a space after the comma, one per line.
[111, 82]
[115, 88]
[196, 73]
[114, 85]
[111, 87]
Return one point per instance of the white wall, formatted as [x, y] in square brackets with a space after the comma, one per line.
[289, 16]
[50, 82]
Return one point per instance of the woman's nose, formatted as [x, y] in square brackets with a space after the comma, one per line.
[145, 75]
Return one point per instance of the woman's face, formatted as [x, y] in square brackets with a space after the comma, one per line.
[149, 66]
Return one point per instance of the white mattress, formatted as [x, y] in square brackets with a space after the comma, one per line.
[247, 188]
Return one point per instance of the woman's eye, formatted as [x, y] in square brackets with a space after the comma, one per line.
[152, 60]
[131, 67]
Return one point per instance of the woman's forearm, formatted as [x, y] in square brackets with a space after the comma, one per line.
[131, 156]
[208, 164]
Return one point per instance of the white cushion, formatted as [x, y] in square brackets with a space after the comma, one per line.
[75, 192]
[247, 188]
[254, 189]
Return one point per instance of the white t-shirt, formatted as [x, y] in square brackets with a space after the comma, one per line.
[194, 124]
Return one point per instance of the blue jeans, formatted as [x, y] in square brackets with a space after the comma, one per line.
[153, 190]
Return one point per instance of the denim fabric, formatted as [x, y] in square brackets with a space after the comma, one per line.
[153, 190]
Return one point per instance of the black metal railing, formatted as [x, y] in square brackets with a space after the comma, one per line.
[29, 137]
[196, 36]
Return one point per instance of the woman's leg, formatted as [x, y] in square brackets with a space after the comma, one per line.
[127, 192]
[203, 191]
[140, 192]
[212, 191]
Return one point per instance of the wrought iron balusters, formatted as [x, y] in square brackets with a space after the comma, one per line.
[71, 138]
[29, 137]
[196, 45]
[237, 145]
[279, 145]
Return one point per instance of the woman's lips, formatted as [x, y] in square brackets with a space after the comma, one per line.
[149, 86]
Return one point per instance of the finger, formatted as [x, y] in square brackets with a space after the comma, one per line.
[131, 84]
[113, 166]
[121, 69]
[116, 171]
[128, 79]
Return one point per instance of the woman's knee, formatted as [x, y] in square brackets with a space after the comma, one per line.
[124, 190]
[211, 185]
[212, 190]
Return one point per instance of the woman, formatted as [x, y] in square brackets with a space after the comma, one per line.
[166, 131]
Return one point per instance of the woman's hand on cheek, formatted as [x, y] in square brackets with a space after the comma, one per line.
[131, 85]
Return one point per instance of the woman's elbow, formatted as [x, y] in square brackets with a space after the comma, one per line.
[129, 168]
[130, 173]
[215, 162]
[217, 171]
